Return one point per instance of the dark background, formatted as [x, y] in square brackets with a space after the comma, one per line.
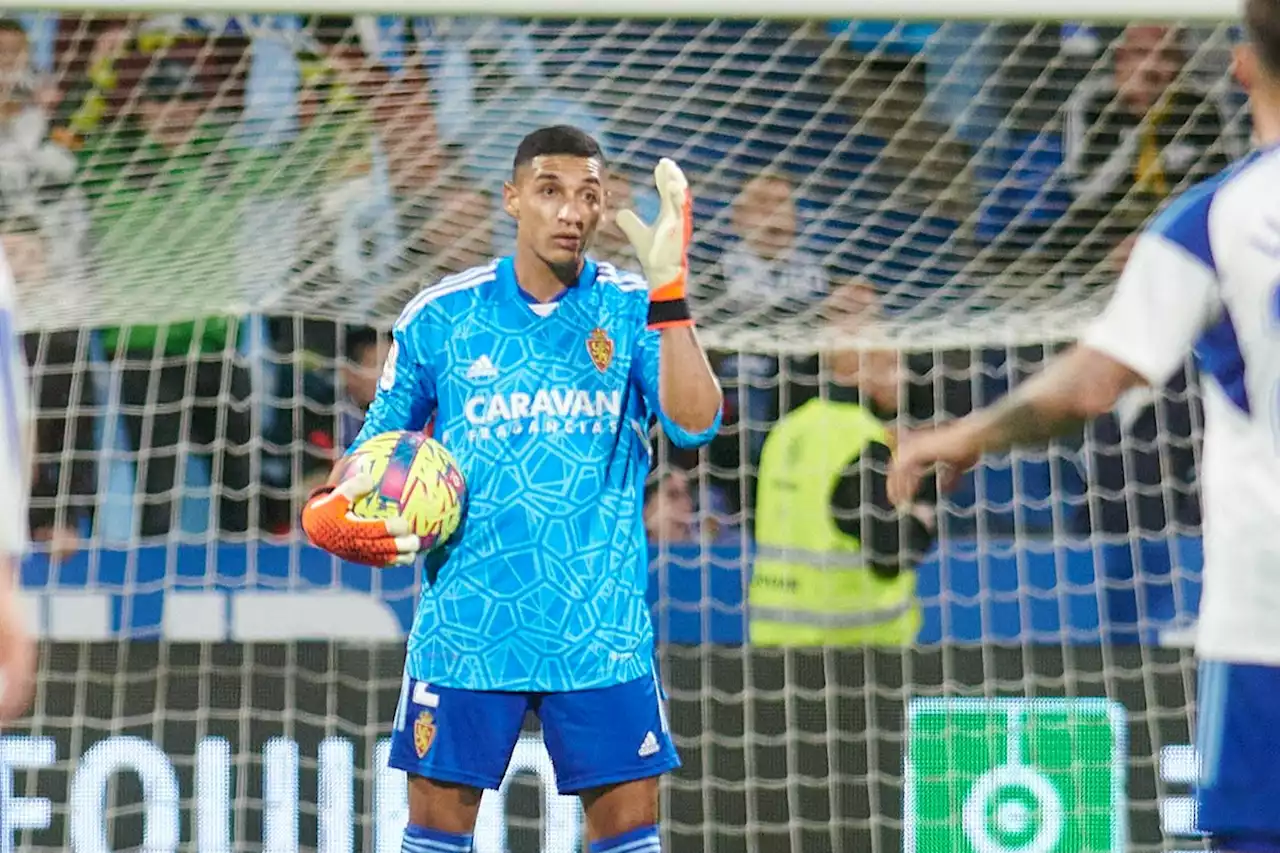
[840, 712]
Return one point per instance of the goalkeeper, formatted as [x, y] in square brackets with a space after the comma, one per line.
[543, 371]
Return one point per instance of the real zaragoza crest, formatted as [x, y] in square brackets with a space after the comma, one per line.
[600, 348]
[424, 731]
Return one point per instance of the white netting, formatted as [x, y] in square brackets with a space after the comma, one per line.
[921, 161]
[270, 190]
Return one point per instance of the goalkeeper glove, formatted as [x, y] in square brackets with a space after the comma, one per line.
[329, 524]
[663, 248]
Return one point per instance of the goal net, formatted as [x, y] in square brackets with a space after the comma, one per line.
[212, 219]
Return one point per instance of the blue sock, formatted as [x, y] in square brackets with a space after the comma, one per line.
[642, 840]
[419, 839]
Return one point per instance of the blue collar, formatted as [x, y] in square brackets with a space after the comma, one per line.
[506, 277]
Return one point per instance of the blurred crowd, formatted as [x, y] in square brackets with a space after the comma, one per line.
[339, 164]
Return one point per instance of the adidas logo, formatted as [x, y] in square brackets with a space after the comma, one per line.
[482, 368]
[648, 746]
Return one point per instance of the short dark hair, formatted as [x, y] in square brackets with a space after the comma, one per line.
[1262, 24]
[9, 25]
[332, 30]
[558, 139]
[358, 340]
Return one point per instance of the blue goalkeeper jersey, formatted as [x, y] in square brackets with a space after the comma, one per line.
[547, 408]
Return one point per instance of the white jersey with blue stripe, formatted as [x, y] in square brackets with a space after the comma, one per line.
[547, 408]
[1205, 278]
[15, 477]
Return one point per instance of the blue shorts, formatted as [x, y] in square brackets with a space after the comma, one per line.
[1238, 740]
[594, 737]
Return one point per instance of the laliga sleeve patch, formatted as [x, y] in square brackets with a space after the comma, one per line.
[389, 369]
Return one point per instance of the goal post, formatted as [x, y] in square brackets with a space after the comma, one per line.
[981, 10]
[217, 212]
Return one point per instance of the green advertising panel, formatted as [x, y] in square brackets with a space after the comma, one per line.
[1015, 776]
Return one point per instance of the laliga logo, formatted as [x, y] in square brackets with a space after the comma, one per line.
[214, 805]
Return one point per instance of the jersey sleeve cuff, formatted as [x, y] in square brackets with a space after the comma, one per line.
[1137, 361]
[686, 440]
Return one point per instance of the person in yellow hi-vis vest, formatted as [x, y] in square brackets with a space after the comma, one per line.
[834, 559]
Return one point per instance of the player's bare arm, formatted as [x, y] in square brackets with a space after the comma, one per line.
[688, 389]
[17, 649]
[1080, 385]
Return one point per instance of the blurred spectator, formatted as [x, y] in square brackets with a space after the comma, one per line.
[35, 170]
[611, 245]
[764, 273]
[87, 65]
[321, 423]
[171, 204]
[668, 509]
[333, 141]
[391, 105]
[405, 124]
[762, 277]
[453, 231]
[1133, 138]
[16, 69]
[322, 182]
[364, 353]
[672, 513]
[834, 558]
[63, 485]
[897, 188]
[492, 93]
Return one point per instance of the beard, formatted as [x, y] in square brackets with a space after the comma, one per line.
[566, 271]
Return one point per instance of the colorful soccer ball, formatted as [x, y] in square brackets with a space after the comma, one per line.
[416, 479]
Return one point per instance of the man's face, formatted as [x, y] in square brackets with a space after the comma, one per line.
[557, 202]
[25, 253]
[407, 127]
[14, 62]
[460, 233]
[171, 118]
[669, 511]
[1148, 60]
[13, 53]
[1253, 77]
[765, 217]
[674, 494]
[361, 378]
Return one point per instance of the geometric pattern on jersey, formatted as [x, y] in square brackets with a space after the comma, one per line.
[542, 589]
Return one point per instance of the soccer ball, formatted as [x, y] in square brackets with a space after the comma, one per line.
[414, 478]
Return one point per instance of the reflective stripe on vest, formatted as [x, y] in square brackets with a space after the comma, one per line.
[857, 619]
[840, 561]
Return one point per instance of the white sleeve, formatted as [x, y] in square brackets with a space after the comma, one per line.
[15, 461]
[1165, 299]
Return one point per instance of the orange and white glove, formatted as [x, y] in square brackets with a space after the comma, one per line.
[663, 248]
[329, 524]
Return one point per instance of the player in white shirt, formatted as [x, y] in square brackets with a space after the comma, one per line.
[1203, 278]
[17, 652]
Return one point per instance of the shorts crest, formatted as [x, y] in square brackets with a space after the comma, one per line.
[424, 732]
